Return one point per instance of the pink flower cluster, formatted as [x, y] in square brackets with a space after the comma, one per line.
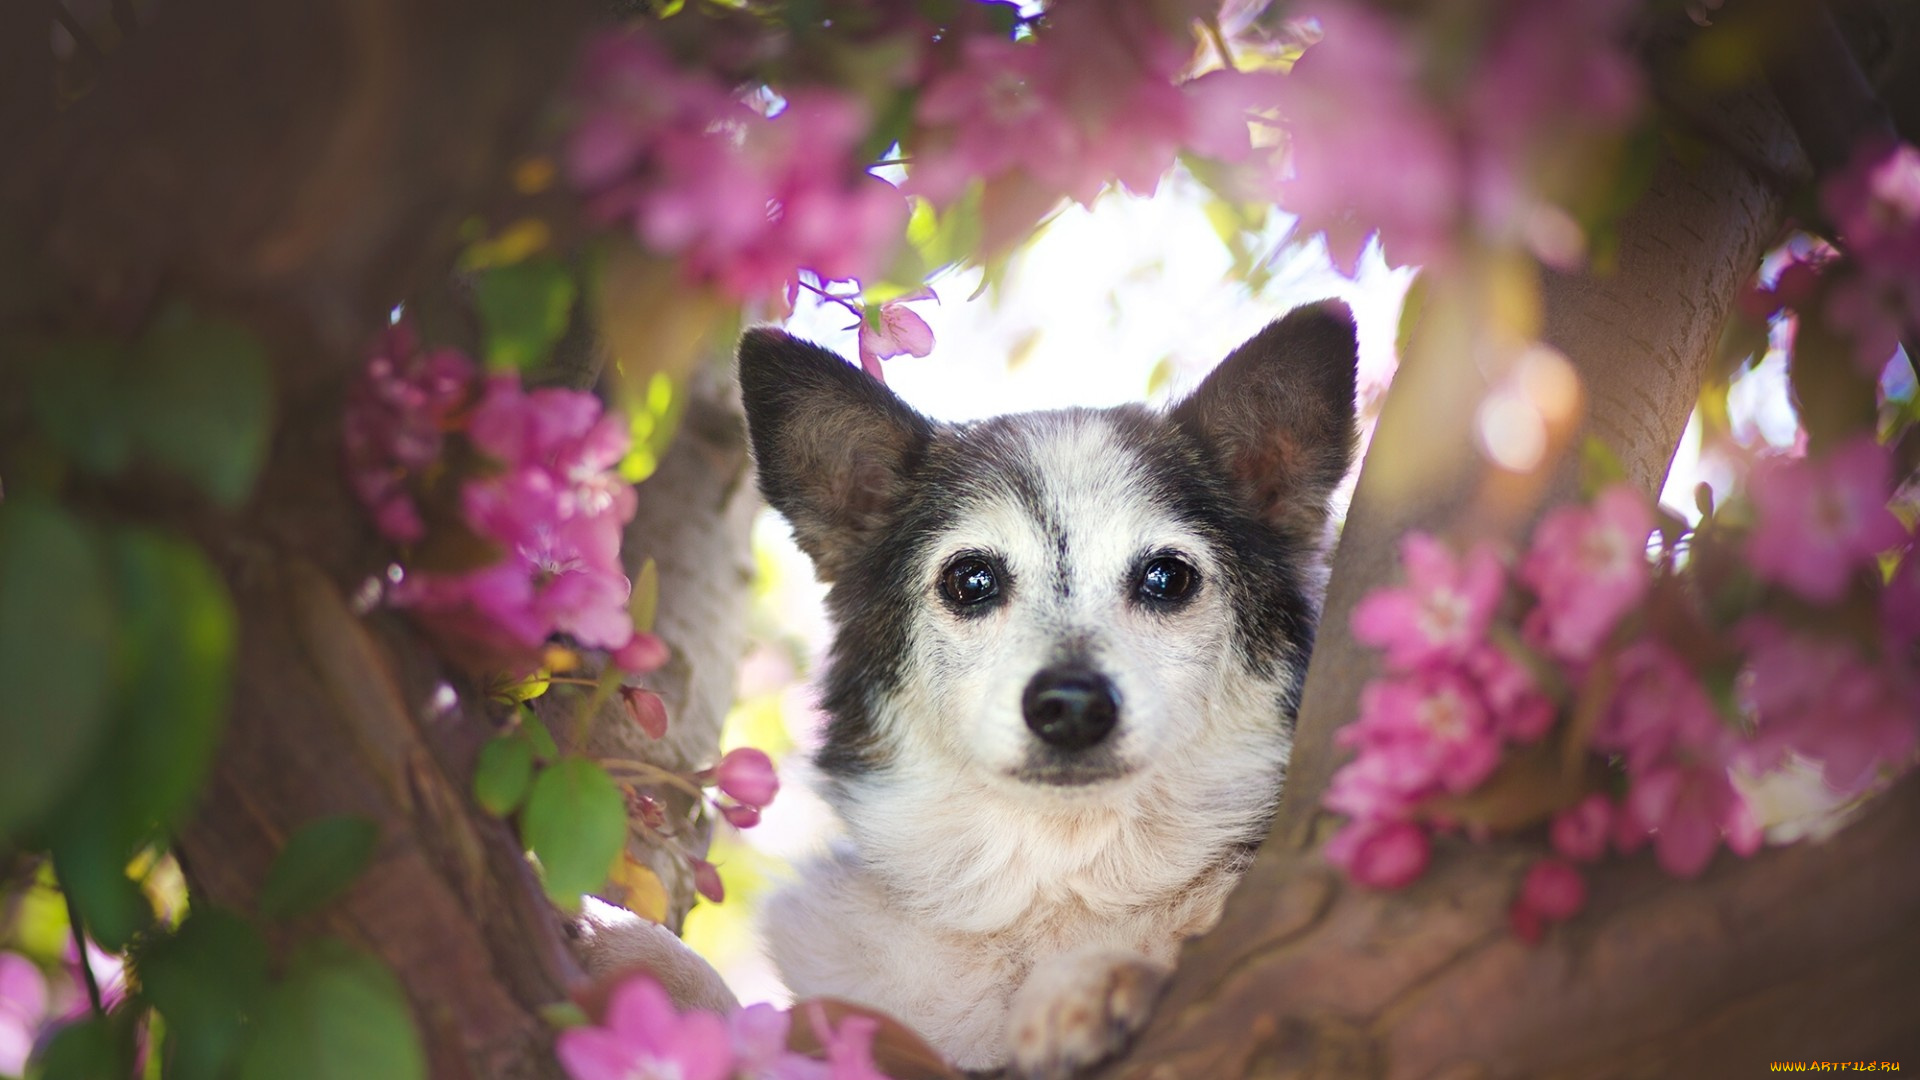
[1379, 142]
[644, 1036]
[1875, 206]
[397, 419]
[1596, 612]
[545, 494]
[745, 197]
[1096, 95]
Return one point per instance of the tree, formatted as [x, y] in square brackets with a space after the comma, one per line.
[215, 206]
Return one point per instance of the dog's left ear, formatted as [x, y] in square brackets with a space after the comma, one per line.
[1279, 413]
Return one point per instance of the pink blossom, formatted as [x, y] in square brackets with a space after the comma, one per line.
[396, 416]
[1580, 832]
[1432, 725]
[1588, 565]
[1900, 602]
[1368, 150]
[740, 816]
[1688, 807]
[1443, 609]
[746, 774]
[1095, 96]
[758, 1036]
[894, 330]
[1819, 522]
[109, 973]
[644, 1038]
[1378, 786]
[23, 1009]
[1796, 283]
[1821, 699]
[1380, 854]
[1658, 709]
[1875, 203]
[1521, 712]
[745, 198]
[557, 510]
[849, 1047]
[1380, 142]
[1552, 891]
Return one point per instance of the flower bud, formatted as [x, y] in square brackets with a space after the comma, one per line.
[747, 775]
[706, 881]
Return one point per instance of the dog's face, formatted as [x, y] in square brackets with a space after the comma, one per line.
[1061, 602]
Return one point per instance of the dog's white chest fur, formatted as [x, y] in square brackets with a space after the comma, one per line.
[1067, 650]
[942, 932]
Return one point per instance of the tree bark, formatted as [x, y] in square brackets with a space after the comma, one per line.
[1797, 954]
[300, 167]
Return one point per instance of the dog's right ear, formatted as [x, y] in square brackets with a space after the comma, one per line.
[832, 444]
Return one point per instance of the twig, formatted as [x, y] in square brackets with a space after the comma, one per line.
[844, 301]
[80, 946]
[654, 772]
[1212, 25]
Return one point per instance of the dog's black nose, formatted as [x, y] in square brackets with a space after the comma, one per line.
[1071, 708]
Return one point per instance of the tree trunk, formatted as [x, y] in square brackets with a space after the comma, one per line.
[1797, 954]
[300, 167]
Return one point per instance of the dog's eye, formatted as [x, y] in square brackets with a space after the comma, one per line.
[1166, 579]
[970, 579]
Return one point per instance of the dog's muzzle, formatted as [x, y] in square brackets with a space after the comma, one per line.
[1070, 708]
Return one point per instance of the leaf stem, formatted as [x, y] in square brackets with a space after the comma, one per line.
[654, 772]
[80, 946]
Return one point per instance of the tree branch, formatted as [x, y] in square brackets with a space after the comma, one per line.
[1803, 952]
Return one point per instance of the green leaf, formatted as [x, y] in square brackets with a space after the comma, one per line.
[172, 669]
[176, 663]
[576, 823]
[79, 400]
[536, 731]
[206, 978]
[1600, 467]
[501, 776]
[644, 602]
[91, 1049]
[317, 864]
[524, 308]
[339, 1015]
[56, 655]
[205, 398]
[93, 874]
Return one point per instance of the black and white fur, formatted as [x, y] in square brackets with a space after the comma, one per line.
[1047, 789]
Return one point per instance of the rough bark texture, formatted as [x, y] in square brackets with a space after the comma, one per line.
[299, 167]
[1800, 953]
[1805, 953]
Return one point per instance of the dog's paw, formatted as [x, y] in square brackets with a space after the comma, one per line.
[1078, 1010]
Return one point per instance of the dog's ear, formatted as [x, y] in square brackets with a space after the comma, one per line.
[1279, 413]
[832, 444]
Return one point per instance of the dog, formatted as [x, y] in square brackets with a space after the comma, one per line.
[1068, 650]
